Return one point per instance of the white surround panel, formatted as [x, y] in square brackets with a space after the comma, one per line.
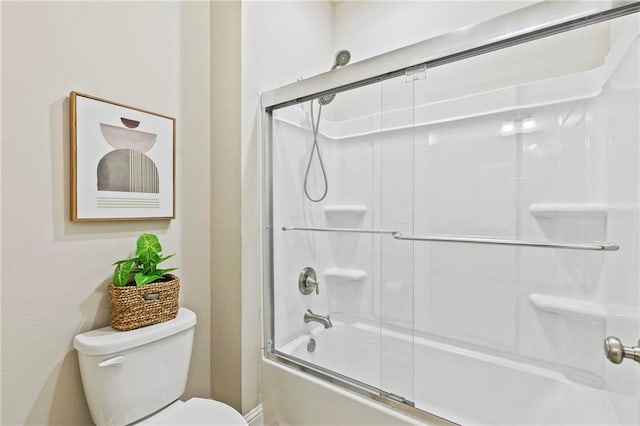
[547, 158]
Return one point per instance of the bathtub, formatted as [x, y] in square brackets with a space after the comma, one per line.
[461, 385]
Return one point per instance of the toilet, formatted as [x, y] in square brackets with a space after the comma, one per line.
[137, 376]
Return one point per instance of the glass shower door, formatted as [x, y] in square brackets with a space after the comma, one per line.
[480, 234]
[325, 313]
[533, 143]
[396, 258]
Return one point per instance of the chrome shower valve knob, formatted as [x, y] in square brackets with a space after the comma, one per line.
[308, 282]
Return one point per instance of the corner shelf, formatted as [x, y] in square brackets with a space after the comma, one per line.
[344, 210]
[345, 274]
[568, 210]
[568, 306]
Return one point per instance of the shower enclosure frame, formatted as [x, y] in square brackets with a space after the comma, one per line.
[542, 20]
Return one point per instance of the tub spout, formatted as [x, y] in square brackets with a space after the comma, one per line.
[311, 317]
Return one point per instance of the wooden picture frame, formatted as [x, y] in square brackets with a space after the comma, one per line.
[122, 161]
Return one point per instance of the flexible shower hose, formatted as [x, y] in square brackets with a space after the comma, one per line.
[314, 130]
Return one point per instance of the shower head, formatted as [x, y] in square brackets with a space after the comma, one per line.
[326, 99]
[342, 58]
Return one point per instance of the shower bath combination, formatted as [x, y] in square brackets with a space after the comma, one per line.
[342, 58]
[481, 238]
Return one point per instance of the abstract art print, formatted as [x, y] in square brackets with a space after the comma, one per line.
[122, 162]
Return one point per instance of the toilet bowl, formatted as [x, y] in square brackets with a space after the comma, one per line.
[137, 376]
[196, 411]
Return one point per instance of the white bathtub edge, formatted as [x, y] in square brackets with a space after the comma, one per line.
[346, 408]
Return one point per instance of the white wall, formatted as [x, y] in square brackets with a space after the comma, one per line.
[150, 55]
[281, 42]
[369, 28]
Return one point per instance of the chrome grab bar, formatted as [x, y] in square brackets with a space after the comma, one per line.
[353, 230]
[597, 246]
[492, 241]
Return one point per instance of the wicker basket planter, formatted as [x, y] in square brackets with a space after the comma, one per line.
[134, 307]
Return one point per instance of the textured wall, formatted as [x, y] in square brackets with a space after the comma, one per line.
[281, 42]
[151, 55]
[226, 327]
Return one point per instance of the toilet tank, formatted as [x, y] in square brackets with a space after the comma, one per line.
[128, 375]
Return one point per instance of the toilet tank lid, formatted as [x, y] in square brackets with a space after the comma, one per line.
[106, 340]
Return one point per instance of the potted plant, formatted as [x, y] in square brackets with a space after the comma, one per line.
[141, 294]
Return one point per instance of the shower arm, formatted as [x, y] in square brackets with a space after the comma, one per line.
[597, 246]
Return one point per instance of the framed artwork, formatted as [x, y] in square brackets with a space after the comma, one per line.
[122, 162]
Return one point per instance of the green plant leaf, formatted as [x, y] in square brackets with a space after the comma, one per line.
[164, 271]
[142, 279]
[148, 246]
[119, 262]
[162, 259]
[143, 267]
[122, 272]
[148, 259]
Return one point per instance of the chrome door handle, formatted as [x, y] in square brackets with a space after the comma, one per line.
[616, 352]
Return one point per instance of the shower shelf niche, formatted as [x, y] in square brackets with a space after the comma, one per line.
[345, 210]
[345, 274]
[569, 210]
[567, 306]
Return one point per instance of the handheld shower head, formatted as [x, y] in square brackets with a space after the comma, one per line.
[342, 58]
[326, 99]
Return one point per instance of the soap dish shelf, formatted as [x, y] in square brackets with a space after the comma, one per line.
[342, 210]
[567, 306]
[344, 275]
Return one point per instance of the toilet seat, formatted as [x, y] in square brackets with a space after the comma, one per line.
[196, 411]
